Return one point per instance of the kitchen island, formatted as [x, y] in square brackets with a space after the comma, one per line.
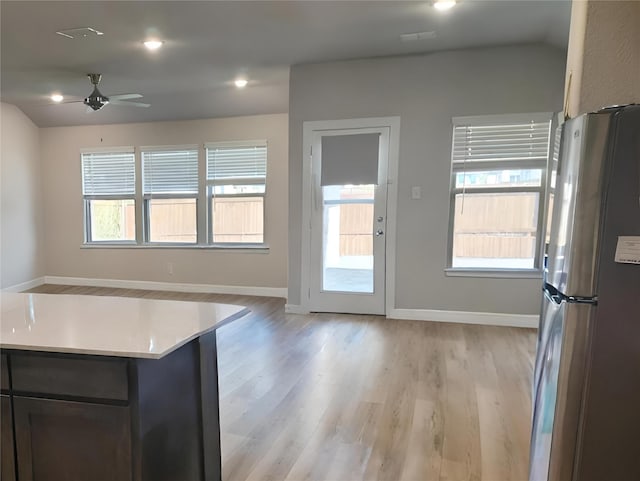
[110, 388]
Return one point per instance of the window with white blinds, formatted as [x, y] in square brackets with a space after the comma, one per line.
[108, 189]
[499, 168]
[108, 173]
[236, 186]
[170, 171]
[175, 195]
[517, 141]
[170, 191]
[227, 164]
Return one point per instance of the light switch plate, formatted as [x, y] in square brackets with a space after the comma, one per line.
[416, 192]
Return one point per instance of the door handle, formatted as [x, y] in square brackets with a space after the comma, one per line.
[379, 232]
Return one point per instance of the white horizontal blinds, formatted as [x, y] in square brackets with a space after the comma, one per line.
[349, 159]
[501, 142]
[556, 145]
[108, 173]
[237, 164]
[170, 171]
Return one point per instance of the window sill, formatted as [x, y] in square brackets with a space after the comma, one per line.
[495, 273]
[254, 249]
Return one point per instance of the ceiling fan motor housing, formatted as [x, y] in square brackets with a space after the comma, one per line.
[96, 100]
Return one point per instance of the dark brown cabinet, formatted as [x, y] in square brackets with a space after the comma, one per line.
[7, 469]
[76, 417]
[72, 441]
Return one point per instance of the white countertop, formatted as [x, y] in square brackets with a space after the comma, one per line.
[107, 326]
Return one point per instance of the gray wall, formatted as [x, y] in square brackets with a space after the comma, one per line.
[426, 92]
[60, 147]
[21, 206]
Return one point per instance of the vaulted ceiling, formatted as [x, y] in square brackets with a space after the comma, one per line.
[208, 44]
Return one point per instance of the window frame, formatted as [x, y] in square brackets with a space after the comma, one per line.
[146, 217]
[202, 198]
[497, 166]
[148, 197]
[210, 185]
[87, 198]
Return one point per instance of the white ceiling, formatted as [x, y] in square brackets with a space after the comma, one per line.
[208, 44]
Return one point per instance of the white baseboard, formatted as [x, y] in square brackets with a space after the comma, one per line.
[25, 285]
[295, 309]
[484, 318]
[169, 286]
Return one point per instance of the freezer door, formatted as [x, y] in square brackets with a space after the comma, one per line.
[545, 386]
[559, 386]
[549, 311]
[577, 206]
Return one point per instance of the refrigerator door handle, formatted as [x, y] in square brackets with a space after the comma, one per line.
[552, 294]
[556, 296]
[582, 300]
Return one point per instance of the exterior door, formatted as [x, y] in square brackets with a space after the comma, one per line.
[348, 220]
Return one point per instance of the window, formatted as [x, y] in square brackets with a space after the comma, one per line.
[108, 190]
[236, 186]
[170, 193]
[175, 196]
[498, 181]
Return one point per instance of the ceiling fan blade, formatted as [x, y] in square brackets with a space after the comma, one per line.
[124, 96]
[122, 102]
[68, 102]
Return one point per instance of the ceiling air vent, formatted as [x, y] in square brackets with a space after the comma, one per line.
[414, 37]
[82, 32]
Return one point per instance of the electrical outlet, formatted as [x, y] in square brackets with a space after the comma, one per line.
[170, 268]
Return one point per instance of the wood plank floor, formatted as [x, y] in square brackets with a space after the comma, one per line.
[348, 398]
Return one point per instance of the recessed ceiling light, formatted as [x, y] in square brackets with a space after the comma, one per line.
[153, 44]
[241, 83]
[444, 4]
[57, 98]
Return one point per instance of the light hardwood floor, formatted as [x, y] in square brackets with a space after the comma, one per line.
[348, 398]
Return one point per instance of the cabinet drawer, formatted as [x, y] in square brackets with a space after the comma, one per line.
[70, 376]
[4, 375]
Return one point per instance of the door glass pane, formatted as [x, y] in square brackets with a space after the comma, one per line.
[495, 231]
[112, 220]
[172, 220]
[347, 242]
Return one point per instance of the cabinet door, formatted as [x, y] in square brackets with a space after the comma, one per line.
[8, 468]
[72, 441]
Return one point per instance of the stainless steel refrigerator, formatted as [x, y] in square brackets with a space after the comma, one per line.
[586, 389]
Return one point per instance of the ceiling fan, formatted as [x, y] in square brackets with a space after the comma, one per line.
[96, 100]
